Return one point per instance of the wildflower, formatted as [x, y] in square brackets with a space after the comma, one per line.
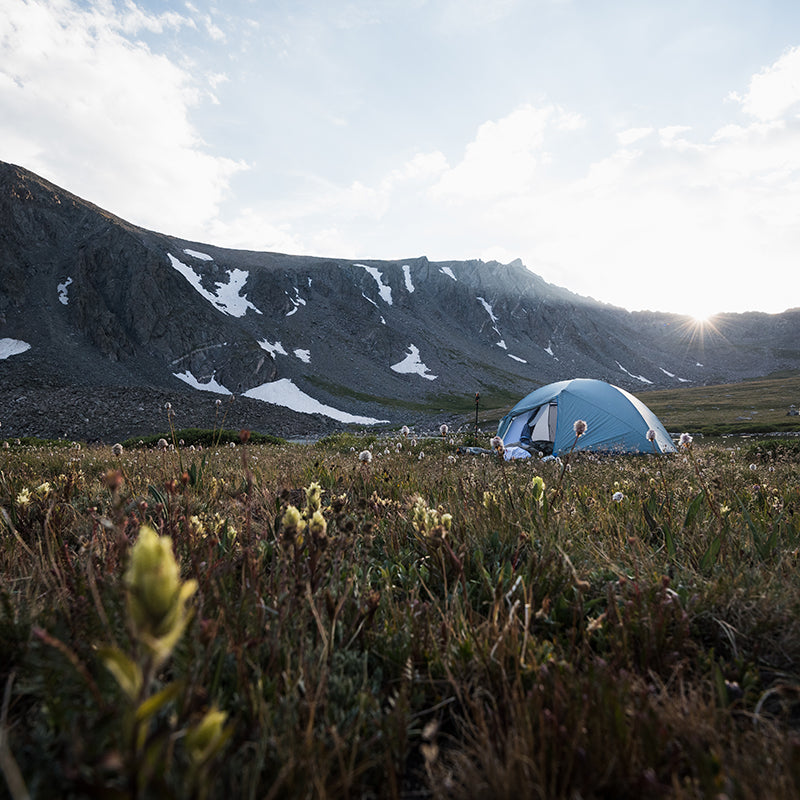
[218, 402]
[24, 498]
[617, 497]
[405, 430]
[579, 426]
[489, 499]
[293, 524]
[651, 435]
[451, 459]
[156, 596]
[313, 495]
[168, 406]
[116, 449]
[685, 440]
[206, 738]
[365, 456]
[162, 444]
[317, 525]
[753, 467]
[497, 444]
[421, 455]
[537, 489]
[44, 489]
[196, 524]
[443, 430]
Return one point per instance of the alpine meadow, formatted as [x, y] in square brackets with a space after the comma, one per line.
[389, 616]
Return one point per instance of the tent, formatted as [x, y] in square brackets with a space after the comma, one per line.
[616, 421]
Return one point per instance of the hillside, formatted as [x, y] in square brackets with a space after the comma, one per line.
[101, 320]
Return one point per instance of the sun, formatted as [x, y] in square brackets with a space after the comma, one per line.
[701, 326]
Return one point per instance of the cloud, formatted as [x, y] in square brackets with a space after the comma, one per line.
[91, 107]
[505, 156]
[774, 90]
[632, 135]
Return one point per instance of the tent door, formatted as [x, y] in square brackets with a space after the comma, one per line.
[543, 423]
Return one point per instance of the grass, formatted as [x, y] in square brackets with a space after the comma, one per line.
[421, 625]
[756, 406]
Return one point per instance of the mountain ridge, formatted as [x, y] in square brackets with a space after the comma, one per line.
[106, 304]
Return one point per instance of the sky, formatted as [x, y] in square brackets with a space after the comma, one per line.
[644, 153]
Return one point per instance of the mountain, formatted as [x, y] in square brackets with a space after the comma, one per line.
[94, 307]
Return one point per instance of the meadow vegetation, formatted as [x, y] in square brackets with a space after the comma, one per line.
[279, 620]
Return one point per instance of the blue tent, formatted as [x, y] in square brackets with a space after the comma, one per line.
[616, 421]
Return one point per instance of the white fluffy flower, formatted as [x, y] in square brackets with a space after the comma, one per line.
[365, 456]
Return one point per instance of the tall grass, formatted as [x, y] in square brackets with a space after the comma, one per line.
[451, 630]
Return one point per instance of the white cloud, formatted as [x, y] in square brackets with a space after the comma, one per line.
[90, 107]
[504, 157]
[774, 90]
[632, 135]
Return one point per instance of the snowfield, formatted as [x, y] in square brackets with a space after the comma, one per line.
[284, 393]
[228, 297]
[12, 347]
[412, 365]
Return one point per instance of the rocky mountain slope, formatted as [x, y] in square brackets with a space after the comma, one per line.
[93, 306]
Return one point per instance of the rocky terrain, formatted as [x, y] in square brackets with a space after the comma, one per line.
[102, 322]
[111, 414]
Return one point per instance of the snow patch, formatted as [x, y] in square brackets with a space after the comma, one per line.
[296, 301]
[303, 355]
[227, 298]
[407, 276]
[672, 375]
[273, 349]
[517, 358]
[549, 349]
[63, 297]
[493, 318]
[638, 377]
[210, 385]
[488, 308]
[447, 271]
[384, 290]
[12, 347]
[284, 393]
[200, 256]
[412, 364]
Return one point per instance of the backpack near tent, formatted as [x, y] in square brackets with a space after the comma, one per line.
[616, 421]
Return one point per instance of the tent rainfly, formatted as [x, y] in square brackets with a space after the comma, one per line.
[616, 421]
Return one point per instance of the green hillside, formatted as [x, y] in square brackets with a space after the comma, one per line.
[756, 406]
